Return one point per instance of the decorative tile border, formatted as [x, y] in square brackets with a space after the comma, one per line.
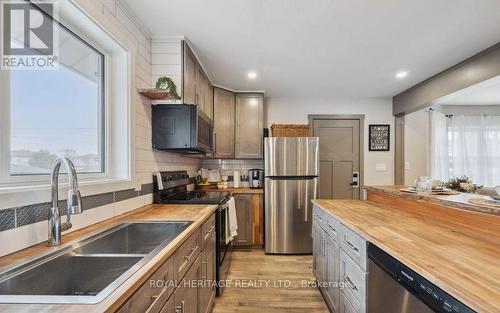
[7, 219]
[33, 213]
[126, 194]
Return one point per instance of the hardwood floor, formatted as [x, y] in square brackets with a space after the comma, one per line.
[252, 270]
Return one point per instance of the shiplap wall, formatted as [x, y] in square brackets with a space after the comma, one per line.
[166, 60]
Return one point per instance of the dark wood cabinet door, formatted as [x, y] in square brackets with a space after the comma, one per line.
[249, 126]
[207, 277]
[186, 295]
[245, 221]
[223, 123]
[189, 75]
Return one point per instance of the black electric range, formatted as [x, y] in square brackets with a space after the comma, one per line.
[197, 197]
[171, 188]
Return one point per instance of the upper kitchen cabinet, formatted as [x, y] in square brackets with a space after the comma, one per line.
[189, 75]
[203, 93]
[224, 111]
[249, 126]
[197, 88]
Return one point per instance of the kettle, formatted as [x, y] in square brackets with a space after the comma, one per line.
[256, 178]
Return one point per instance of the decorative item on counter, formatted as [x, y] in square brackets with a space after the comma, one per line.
[463, 184]
[424, 185]
[236, 179]
[213, 176]
[497, 197]
[167, 83]
[222, 185]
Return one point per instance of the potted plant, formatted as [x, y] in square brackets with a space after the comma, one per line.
[463, 184]
[166, 83]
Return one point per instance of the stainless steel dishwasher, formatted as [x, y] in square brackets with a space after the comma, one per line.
[395, 288]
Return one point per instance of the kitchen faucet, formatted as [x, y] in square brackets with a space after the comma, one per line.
[74, 201]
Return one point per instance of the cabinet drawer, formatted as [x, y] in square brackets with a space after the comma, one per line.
[354, 245]
[318, 215]
[345, 305]
[154, 292]
[186, 255]
[355, 279]
[208, 230]
[331, 226]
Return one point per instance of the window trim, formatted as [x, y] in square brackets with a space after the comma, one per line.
[10, 177]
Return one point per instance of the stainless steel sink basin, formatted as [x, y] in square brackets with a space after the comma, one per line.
[88, 270]
[69, 275]
[136, 238]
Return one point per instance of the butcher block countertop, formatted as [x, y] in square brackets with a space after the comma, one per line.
[457, 250]
[196, 213]
[231, 190]
[460, 201]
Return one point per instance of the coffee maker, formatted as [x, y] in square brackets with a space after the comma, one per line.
[256, 178]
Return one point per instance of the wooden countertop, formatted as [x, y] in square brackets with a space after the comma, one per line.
[231, 190]
[457, 250]
[196, 213]
[460, 201]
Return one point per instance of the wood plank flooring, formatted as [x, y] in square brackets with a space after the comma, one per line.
[251, 270]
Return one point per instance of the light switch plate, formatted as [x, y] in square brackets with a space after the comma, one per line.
[407, 166]
[381, 167]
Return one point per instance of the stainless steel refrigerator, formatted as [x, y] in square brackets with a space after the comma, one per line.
[291, 166]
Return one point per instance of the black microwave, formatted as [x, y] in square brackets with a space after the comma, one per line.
[181, 127]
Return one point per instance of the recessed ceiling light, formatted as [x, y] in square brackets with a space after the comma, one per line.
[401, 74]
[252, 75]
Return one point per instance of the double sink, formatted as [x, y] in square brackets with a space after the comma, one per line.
[87, 271]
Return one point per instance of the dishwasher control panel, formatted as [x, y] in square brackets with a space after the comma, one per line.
[427, 292]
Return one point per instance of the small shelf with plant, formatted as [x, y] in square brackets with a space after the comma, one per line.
[165, 90]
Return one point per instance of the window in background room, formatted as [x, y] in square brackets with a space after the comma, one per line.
[59, 113]
[466, 145]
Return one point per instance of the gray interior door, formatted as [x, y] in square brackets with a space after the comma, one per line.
[339, 154]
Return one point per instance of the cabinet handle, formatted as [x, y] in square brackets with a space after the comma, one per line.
[351, 284]
[215, 143]
[205, 278]
[156, 297]
[180, 308]
[324, 247]
[188, 257]
[333, 229]
[208, 232]
[351, 245]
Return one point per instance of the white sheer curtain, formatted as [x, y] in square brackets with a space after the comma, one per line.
[466, 145]
[439, 155]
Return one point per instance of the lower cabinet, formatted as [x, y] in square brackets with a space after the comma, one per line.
[207, 277]
[184, 283]
[186, 294]
[342, 279]
[331, 272]
[244, 215]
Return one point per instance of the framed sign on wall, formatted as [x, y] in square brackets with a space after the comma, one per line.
[379, 136]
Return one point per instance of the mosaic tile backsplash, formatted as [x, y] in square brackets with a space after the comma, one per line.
[227, 167]
[29, 214]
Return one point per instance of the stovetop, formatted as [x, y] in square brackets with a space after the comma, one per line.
[197, 197]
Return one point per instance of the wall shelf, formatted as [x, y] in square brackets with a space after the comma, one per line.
[157, 94]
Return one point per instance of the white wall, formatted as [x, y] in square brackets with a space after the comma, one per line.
[376, 111]
[416, 148]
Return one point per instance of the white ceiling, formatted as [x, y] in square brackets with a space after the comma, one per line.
[325, 48]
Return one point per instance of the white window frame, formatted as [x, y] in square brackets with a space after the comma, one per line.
[118, 152]
[6, 177]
